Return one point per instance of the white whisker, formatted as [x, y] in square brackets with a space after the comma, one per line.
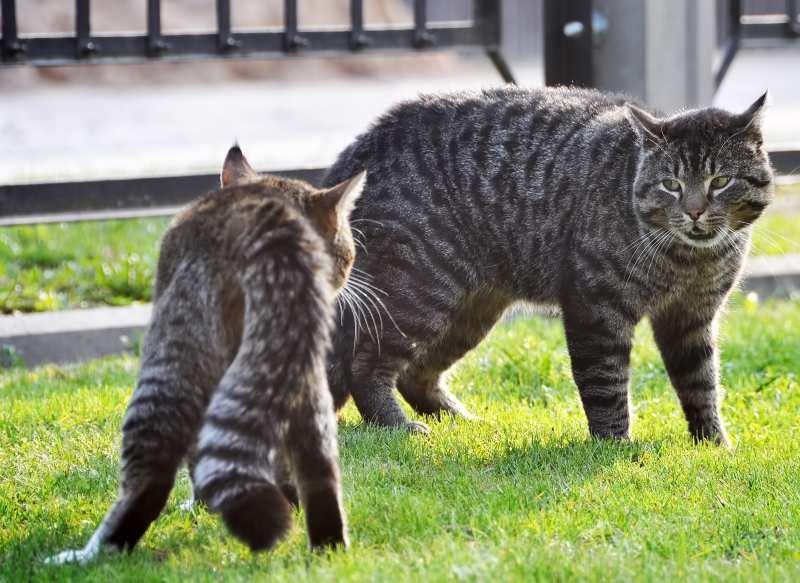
[372, 291]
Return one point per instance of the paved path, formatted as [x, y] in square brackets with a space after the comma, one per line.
[79, 132]
[778, 69]
[108, 132]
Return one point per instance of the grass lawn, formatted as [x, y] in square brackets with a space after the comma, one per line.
[51, 267]
[523, 495]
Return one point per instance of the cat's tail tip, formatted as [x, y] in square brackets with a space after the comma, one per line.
[259, 517]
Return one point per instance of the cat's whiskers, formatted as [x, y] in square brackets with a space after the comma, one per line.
[636, 254]
[353, 221]
[373, 291]
[340, 307]
[768, 232]
[651, 252]
[361, 272]
[648, 251]
[662, 246]
[356, 320]
[362, 293]
[363, 310]
[739, 244]
[636, 241]
[367, 309]
[361, 243]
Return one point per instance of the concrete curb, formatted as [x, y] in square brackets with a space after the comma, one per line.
[77, 335]
[773, 276]
[73, 335]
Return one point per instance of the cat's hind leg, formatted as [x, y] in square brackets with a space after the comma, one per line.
[374, 378]
[155, 433]
[311, 451]
[422, 385]
[161, 422]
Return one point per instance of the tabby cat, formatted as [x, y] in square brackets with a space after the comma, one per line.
[233, 365]
[562, 197]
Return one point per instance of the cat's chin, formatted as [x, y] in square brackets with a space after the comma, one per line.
[700, 242]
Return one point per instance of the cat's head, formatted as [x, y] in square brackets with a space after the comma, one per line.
[703, 175]
[327, 209]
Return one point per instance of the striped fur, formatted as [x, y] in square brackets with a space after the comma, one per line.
[232, 377]
[551, 196]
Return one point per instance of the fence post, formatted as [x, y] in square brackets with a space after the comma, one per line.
[568, 43]
[659, 52]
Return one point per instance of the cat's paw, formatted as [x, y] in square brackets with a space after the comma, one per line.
[188, 505]
[717, 437]
[611, 436]
[459, 411]
[417, 427]
[79, 556]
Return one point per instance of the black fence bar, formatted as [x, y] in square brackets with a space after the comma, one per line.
[59, 50]
[568, 43]
[227, 42]
[155, 44]
[358, 38]
[732, 46]
[487, 16]
[422, 36]
[109, 199]
[86, 47]
[793, 12]
[293, 41]
[786, 162]
[12, 46]
[785, 25]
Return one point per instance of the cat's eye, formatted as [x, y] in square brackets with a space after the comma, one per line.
[671, 184]
[720, 182]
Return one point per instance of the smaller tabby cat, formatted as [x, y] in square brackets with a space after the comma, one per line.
[233, 365]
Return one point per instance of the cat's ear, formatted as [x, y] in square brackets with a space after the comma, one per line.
[645, 124]
[754, 115]
[342, 198]
[236, 169]
[332, 206]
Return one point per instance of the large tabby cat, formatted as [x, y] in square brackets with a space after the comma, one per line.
[233, 365]
[563, 197]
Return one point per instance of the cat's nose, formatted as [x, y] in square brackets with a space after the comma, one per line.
[695, 213]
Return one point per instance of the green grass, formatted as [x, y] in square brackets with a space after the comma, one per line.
[524, 495]
[777, 234]
[53, 267]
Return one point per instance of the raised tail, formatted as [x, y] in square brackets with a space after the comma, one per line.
[272, 414]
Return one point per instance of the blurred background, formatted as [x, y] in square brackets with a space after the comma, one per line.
[120, 109]
[150, 118]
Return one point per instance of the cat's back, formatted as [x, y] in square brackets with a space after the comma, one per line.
[503, 104]
[444, 133]
[206, 232]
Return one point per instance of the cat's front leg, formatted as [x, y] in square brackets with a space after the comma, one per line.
[599, 340]
[687, 342]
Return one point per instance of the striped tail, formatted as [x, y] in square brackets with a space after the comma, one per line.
[272, 403]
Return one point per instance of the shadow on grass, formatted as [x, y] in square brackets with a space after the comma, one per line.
[401, 490]
[402, 486]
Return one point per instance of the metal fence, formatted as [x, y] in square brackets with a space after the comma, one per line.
[774, 19]
[565, 25]
[481, 30]
[125, 198]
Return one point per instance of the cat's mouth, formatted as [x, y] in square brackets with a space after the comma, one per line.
[698, 235]
[700, 238]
